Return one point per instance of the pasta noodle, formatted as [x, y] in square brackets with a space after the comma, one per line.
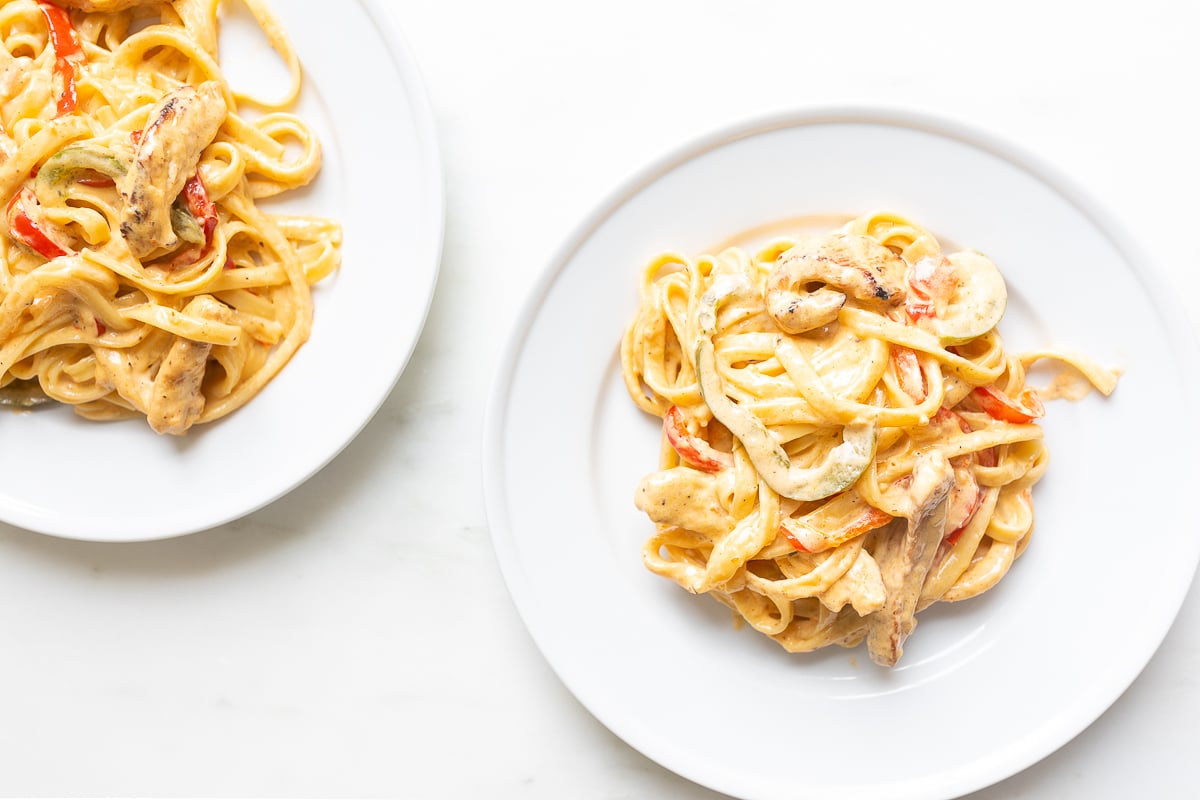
[845, 439]
[138, 274]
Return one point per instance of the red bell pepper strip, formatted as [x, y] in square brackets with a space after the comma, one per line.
[793, 541]
[68, 53]
[23, 229]
[931, 283]
[692, 449]
[201, 207]
[946, 416]
[987, 458]
[908, 372]
[965, 496]
[999, 405]
[844, 517]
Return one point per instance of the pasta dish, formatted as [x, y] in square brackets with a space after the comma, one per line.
[845, 440]
[138, 274]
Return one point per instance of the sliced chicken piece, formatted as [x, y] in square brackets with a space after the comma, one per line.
[686, 498]
[176, 400]
[905, 556]
[811, 281]
[862, 587]
[183, 123]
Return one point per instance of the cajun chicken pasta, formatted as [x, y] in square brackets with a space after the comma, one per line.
[845, 440]
[138, 273]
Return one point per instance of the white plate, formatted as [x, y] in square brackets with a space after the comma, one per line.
[382, 179]
[986, 687]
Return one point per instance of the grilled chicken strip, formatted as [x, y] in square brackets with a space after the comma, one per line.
[179, 128]
[176, 401]
[811, 281]
[684, 497]
[861, 587]
[905, 556]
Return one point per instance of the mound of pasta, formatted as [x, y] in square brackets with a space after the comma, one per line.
[845, 440]
[138, 274]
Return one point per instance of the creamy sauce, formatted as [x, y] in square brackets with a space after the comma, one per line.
[1067, 384]
[684, 497]
[921, 524]
[1069, 376]
[759, 236]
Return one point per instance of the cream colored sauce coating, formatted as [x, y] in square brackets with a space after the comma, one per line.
[759, 236]
[685, 497]
[796, 402]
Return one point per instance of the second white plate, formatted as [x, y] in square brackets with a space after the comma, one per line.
[382, 179]
[986, 687]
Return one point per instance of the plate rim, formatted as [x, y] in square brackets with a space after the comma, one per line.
[432, 187]
[1159, 288]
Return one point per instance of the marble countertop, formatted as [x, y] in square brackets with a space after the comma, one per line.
[355, 638]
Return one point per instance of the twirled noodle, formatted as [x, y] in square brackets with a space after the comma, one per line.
[138, 274]
[845, 439]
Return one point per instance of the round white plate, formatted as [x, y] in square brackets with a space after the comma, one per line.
[382, 179]
[986, 687]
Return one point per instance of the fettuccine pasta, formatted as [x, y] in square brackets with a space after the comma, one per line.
[138, 274]
[845, 439]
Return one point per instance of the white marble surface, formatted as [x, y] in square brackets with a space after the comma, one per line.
[355, 637]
